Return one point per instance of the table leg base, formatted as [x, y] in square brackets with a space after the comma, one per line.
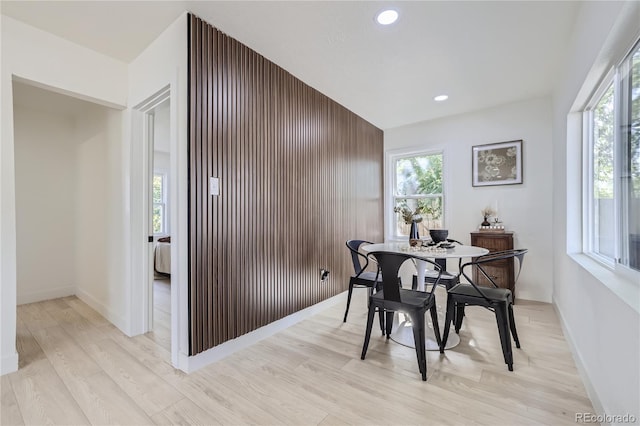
[402, 333]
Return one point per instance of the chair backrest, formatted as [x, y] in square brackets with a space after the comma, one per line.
[488, 259]
[354, 248]
[389, 264]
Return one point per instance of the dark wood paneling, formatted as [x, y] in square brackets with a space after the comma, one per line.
[299, 175]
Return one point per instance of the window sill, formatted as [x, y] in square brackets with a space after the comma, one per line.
[624, 288]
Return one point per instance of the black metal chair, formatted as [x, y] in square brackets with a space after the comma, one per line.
[392, 298]
[361, 277]
[499, 300]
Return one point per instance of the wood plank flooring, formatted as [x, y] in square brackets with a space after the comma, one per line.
[161, 333]
[76, 368]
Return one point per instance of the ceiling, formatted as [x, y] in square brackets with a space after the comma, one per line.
[480, 53]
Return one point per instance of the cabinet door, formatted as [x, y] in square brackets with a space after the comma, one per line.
[502, 272]
[498, 271]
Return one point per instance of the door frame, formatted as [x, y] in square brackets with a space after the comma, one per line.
[142, 172]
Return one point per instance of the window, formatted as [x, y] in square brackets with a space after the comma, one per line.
[159, 190]
[417, 186]
[612, 141]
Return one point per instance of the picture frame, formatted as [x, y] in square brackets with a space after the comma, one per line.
[497, 164]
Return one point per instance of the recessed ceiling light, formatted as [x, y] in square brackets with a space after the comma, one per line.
[441, 98]
[387, 17]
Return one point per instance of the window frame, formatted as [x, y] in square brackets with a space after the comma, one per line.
[588, 152]
[615, 76]
[390, 187]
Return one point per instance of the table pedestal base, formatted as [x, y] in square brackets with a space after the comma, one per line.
[402, 333]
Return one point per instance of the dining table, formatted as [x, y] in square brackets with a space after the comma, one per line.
[402, 331]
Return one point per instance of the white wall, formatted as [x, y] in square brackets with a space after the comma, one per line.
[45, 217]
[161, 123]
[36, 56]
[161, 161]
[525, 209]
[99, 205]
[599, 311]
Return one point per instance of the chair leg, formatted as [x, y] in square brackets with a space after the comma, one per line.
[459, 310]
[367, 335]
[512, 324]
[380, 311]
[447, 322]
[434, 321]
[502, 318]
[348, 301]
[419, 340]
[381, 317]
[389, 322]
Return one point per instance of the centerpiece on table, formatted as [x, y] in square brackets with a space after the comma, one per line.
[411, 217]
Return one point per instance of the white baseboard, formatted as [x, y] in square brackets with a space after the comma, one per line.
[111, 316]
[591, 390]
[48, 294]
[190, 364]
[9, 364]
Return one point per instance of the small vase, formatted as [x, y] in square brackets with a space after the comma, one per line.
[486, 222]
[413, 233]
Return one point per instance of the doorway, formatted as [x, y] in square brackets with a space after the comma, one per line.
[69, 197]
[160, 227]
[156, 222]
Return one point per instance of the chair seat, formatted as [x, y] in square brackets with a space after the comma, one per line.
[497, 294]
[417, 299]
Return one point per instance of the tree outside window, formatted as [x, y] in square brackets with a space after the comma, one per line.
[418, 188]
[159, 204]
[603, 175]
[612, 200]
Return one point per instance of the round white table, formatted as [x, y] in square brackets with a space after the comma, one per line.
[402, 331]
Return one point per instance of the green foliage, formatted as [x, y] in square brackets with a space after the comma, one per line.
[634, 128]
[157, 219]
[429, 178]
[603, 145]
[420, 176]
[157, 188]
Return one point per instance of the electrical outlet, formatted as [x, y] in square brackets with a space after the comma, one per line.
[214, 186]
[324, 274]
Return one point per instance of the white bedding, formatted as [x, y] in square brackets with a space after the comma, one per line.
[162, 258]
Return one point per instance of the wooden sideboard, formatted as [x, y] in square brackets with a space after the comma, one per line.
[502, 272]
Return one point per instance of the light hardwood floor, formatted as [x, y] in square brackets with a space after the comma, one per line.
[76, 368]
[161, 333]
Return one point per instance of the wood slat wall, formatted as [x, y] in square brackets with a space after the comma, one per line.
[299, 175]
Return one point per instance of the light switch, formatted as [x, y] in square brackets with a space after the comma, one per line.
[214, 186]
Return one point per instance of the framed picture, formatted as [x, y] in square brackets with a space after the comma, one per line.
[497, 164]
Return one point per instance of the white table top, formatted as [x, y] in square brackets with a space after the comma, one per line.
[456, 252]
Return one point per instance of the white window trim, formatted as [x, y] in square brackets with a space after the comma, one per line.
[588, 207]
[625, 273]
[389, 182]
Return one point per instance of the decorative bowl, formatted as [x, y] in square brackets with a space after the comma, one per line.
[438, 235]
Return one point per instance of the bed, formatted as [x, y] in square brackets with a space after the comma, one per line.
[162, 256]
